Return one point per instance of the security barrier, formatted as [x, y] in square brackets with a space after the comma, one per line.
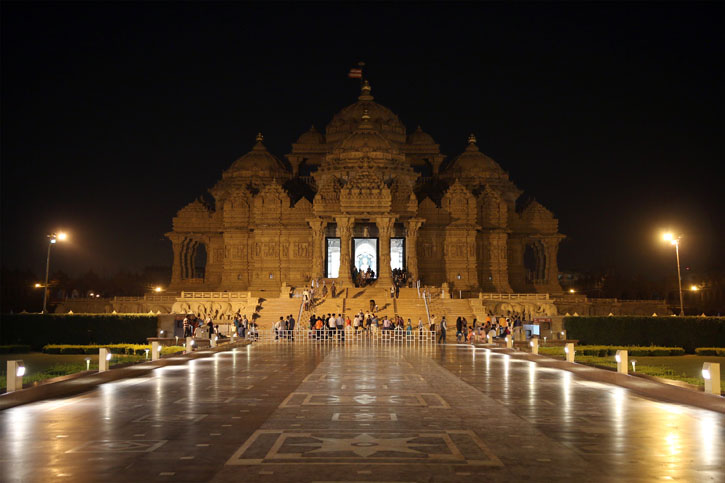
[346, 336]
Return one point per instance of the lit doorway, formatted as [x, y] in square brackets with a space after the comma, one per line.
[366, 254]
[332, 260]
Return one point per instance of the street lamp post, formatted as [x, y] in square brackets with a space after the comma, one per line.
[52, 240]
[676, 242]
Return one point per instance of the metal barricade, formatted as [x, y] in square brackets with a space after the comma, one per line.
[348, 336]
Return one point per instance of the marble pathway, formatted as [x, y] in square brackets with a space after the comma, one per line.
[281, 412]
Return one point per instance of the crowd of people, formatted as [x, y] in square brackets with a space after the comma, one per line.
[200, 327]
[363, 278]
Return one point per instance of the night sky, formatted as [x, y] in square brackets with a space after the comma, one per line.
[115, 116]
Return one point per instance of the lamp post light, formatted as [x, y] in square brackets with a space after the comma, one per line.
[676, 242]
[53, 238]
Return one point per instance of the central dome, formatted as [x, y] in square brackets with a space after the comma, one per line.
[382, 119]
[365, 139]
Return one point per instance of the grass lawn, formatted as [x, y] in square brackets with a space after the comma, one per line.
[39, 366]
[685, 368]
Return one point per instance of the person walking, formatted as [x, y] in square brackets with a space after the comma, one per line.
[442, 336]
[291, 326]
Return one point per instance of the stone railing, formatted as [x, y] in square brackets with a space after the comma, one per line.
[514, 296]
[147, 298]
[214, 295]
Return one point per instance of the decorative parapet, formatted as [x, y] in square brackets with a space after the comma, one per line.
[514, 296]
[214, 295]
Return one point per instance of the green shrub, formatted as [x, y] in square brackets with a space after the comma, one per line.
[686, 332]
[610, 351]
[14, 349]
[710, 351]
[37, 330]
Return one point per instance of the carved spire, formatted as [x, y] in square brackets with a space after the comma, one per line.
[365, 92]
[259, 137]
[471, 139]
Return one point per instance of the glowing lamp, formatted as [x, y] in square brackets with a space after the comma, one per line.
[694, 288]
[158, 289]
[108, 356]
[20, 371]
[668, 237]
[711, 374]
[618, 358]
[37, 285]
[62, 236]
[571, 290]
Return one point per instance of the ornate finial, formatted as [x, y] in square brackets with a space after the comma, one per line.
[365, 116]
[365, 91]
[259, 138]
[312, 128]
[471, 139]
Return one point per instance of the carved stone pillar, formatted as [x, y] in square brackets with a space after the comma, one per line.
[385, 231]
[318, 240]
[344, 231]
[551, 247]
[176, 245]
[411, 246]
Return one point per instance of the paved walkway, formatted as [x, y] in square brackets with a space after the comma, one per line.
[279, 412]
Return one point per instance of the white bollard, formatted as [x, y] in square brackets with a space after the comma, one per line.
[569, 351]
[155, 351]
[710, 372]
[509, 342]
[562, 334]
[16, 371]
[212, 341]
[104, 359]
[189, 344]
[489, 337]
[534, 344]
[622, 359]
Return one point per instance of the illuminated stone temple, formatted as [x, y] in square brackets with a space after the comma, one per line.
[366, 192]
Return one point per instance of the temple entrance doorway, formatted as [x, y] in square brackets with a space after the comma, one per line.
[365, 254]
[332, 260]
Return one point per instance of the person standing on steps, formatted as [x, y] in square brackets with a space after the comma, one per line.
[442, 336]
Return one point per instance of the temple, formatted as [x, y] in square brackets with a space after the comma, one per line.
[365, 196]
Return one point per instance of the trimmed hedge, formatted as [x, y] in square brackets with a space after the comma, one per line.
[127, 349]
[14, 349]
[686, 332]
[611, 350]
[37, 330]
[710, 351]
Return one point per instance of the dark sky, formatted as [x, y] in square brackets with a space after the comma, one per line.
[114, 116]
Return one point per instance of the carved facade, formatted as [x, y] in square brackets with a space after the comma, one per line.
[461, 220]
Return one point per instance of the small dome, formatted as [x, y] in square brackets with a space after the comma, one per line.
[313, 136]
[473, 162]
[257, 160]
[420, 137]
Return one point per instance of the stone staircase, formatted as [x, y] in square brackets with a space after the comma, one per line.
[452, 309]
[273, 308]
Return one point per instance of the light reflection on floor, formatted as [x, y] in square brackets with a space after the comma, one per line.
[192, 419]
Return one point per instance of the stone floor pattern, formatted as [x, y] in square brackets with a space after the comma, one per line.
[284, 413]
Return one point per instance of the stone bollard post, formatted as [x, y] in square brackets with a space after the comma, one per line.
[155, 351]
[104, 359]
[16, 371]
[489, 338]
[622, 359]
[189, 345]
[710, 372]
[212, 341]
[569, 351]
[509, 342]
[534, 344]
